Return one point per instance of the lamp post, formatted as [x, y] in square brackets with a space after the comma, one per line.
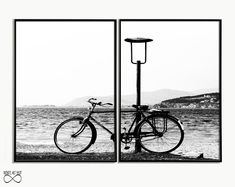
[138, 57]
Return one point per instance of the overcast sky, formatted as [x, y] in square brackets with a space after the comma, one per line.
[60, 61]
[182, 56]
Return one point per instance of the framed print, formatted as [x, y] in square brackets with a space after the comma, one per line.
[170, 90]
[65, 90]
[166, 68]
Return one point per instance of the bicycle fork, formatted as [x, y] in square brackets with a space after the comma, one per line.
[80, 130]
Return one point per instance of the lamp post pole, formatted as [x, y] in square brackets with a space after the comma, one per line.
[138, 102]
[138, 80]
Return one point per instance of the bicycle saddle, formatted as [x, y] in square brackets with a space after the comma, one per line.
[157, 111]
[141, 107]
[138, 40]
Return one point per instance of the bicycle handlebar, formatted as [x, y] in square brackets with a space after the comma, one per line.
[97, 103]
[90, 100]
[102, 104]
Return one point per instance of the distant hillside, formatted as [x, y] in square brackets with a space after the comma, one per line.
[82, 101]
[209, 100]
[150, 98]
[38, 106]
[147, 98]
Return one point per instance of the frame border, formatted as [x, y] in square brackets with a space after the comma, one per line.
[220, 89]
[114, 21]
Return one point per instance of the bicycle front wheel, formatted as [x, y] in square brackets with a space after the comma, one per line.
[160, 134]
[73, 136]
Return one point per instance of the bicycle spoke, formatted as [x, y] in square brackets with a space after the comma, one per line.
[150, 139]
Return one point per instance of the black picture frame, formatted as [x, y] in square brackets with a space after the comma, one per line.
[15, 21]
[219, 21]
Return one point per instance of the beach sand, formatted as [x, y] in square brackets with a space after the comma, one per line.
[144, 156]
[106, 157]
[61, 157]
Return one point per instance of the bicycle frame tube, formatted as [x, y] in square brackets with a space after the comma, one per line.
[129, 130]
[89, 116]
[142, 114]
[164, 125]
[98, 123]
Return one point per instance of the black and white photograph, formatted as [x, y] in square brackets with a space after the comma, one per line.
[65, 90]
[170, 90]
[117, 93]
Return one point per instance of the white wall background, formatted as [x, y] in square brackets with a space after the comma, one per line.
[134, 174]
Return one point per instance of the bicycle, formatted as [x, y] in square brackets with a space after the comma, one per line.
[77, 134]
[157, 132]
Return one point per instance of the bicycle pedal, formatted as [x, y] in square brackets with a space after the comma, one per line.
[127, 147]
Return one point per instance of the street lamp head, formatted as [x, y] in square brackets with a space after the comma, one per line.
[138, 40]
[137, 45]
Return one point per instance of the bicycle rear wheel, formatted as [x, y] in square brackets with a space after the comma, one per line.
[73, 136]
[160, 133]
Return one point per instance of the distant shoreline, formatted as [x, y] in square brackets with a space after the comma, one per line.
[130, 109]
[123, 107]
